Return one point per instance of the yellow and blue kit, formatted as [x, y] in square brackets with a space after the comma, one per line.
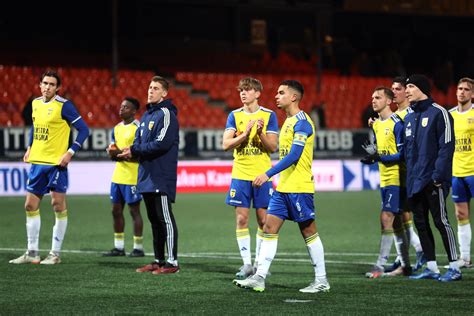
[293, 198]
[49, 141]
[123, 135]
[251, 158]
[463, 158]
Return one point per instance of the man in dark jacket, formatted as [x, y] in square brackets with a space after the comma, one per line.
[156, 148]
[429, 148]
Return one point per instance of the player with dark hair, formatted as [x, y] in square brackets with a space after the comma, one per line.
[123, 188]
[293, 197]
[49, 153]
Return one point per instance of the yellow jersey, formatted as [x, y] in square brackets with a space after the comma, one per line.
[251, 158]
[297, 178]
[404, 113]
[463, 159]
[389, 139]
[123, 135]
[51, 129]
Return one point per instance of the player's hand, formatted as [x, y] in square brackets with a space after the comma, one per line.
[249, 127]
[26, 156]
[113, 151]
[260, 125]
[65, 159]
[371, 121]
[260, 180]
[370, 159]
[370, 147]
[126, 153]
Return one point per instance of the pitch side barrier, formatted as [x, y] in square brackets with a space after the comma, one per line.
[197, 176]
[193, 144]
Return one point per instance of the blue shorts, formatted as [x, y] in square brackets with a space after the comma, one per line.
[45, 178]
[390, 198]
[124, 193]
[241, 193]
[298, 207]
[463, 189]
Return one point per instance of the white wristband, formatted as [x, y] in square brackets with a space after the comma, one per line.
[72, 152]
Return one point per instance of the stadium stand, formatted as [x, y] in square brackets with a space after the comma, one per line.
[92, 91]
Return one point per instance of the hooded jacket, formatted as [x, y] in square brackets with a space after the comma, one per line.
[429, 146]
[156, 146]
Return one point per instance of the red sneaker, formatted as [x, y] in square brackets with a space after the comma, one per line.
[154, 266]
[167, 269]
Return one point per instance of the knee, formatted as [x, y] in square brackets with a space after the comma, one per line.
[268, 228]
[242, 220]
[116, 211]
[58, 205]
[30, 207]
[462, 214]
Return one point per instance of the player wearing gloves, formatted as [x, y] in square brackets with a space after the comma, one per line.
[386, 149]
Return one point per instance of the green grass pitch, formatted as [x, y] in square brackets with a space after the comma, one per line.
[86, 283]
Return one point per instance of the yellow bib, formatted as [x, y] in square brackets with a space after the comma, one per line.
[50, 132]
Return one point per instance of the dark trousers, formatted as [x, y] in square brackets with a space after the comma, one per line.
[433, 200]
[163, 225]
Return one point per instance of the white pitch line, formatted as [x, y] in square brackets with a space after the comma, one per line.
[233, 256]
[207, 255]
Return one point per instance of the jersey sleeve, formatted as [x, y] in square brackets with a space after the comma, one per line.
[398, 132]
[302, 131]
[231, 122]
[70, 114]
[272, 124]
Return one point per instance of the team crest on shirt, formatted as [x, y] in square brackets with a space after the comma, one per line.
[151, 124]
[424, 122]
[470, 120]
[232, 193]
[387, 131]
[50, 110]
